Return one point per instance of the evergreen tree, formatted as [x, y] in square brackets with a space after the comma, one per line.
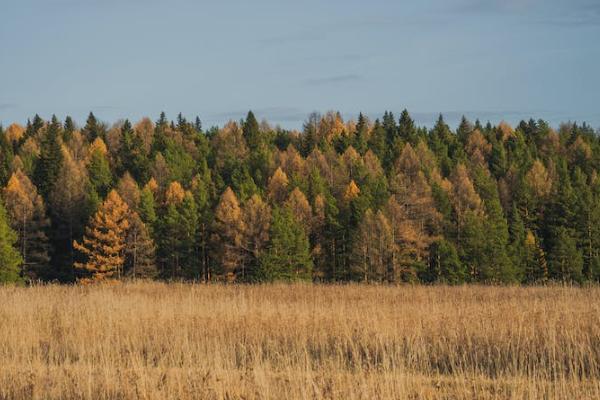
[252, 132]
[93, 129]
[361, 136]
[10, 259]
[6, 157]
[140, 250]
[444, 264]
[257, 220]
[288, 254]
[565, 260]
[50, 161]
[406, 128]
[99, 171]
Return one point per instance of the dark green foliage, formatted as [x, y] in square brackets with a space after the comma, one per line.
[444, 264]
[288, 254]
[6, 157]
[10, 259]
[50, 160]
[100, 173]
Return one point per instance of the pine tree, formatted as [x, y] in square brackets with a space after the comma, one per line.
[406, 128]
[361, 136]
[104, 242]
[49, 164]
[92, 129]
[10, 259]
[252, 132]
[565, 260]
[444, 264]
[288, 254]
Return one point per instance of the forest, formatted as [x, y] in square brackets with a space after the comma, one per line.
[375, 201]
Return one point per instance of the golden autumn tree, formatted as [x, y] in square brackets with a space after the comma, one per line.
[277, 188]
[129, 191]
[174, 194]
[104, 242]
[257, 221]
[373, 248]
[538, 180]
[410, 242]
[351, 192]
[464, 197]
[228, 234]
[298, 204]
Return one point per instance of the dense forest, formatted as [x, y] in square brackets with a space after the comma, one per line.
[358, 200]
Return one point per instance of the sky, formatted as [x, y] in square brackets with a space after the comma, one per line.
[489, 59]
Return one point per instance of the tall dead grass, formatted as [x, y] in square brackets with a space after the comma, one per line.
[180, 341]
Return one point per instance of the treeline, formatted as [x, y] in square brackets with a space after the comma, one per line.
[372, 201]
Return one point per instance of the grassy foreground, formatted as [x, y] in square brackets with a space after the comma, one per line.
[181, 341]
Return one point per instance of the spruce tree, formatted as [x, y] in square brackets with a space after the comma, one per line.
[288, 253]
[50, 161]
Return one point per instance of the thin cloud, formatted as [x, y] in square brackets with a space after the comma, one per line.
[7, 106]
[575, 13]
[333, 79]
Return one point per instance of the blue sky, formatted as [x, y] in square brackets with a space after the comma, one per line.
[494, 59]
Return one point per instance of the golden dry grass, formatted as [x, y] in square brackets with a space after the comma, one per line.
[179, 341]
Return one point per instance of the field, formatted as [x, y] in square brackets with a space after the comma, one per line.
[181, 341]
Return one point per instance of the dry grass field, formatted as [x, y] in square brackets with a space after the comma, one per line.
[181, 341]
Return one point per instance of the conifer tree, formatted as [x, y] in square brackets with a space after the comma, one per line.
[99, 171]
[444, 264]
[71, 203]
[49, 164]
[6, 157]
[373, 248]
[140, 250]
[228, 234]
[257, 220]
[278, 187]
[10, 259]
[129, 191]
[565, 260]
[406, 128]
[104, 243]
[288, 254]
[93, 129]
[361, 136]
[252, 132]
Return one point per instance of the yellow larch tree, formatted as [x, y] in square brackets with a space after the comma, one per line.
[277, 188]
[103, 245]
